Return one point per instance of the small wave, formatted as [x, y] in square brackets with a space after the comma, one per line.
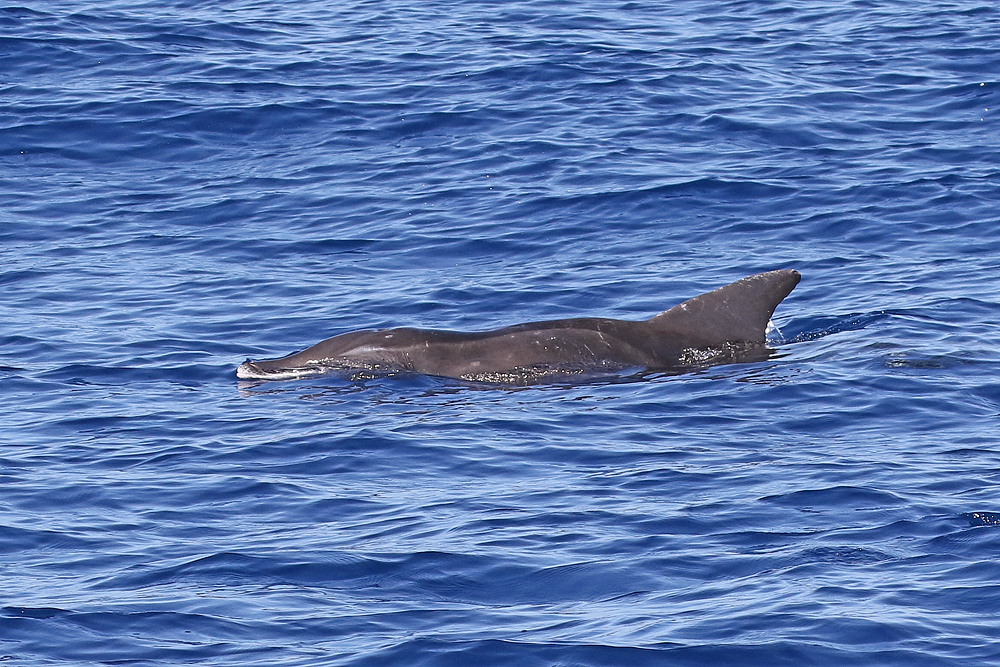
[982, 518]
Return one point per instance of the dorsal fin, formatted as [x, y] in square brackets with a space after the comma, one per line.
[738, 312]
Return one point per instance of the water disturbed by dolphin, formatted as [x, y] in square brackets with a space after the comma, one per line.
[726, 325]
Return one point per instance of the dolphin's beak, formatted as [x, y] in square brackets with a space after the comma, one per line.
[248, 370]
[252, 370]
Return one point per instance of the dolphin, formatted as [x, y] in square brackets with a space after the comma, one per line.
[723, 326]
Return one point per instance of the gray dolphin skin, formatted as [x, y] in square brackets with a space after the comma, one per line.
[720, 327]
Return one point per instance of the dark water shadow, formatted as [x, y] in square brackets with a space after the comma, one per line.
[812, 328]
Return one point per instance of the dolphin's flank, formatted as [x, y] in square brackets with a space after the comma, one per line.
[723, 326]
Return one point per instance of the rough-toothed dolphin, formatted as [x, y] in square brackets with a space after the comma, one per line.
[720, 327]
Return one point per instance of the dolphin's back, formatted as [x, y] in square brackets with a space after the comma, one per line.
[728, 324]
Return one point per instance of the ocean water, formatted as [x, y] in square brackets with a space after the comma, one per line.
[187, 184]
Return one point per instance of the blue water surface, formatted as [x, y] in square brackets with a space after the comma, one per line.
[186, 184]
